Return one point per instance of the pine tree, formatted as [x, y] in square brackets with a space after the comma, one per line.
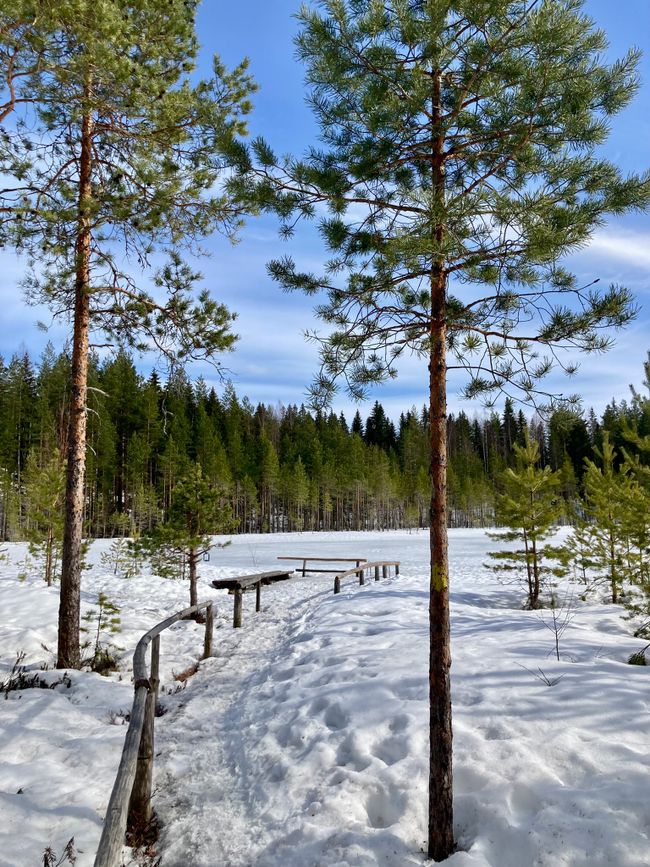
[104, 622]
[459, 163]
[117, 155]
[196, 513]
[604, 531]
[44, 481]
[530, 505]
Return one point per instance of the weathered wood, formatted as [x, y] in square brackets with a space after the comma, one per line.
[239, 584]
[305, 560]
[236, 617]
[112, 839]
[140, 810]
[359, 572]
[245, 582]
[356, 560]
[209, 630]
[109, 852]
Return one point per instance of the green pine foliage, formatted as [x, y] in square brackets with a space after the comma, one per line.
[529, 504]
[604, 532]
[102, 623]
[44, 487]
[197, 512]
[459, 164]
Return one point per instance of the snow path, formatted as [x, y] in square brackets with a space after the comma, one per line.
[304, 742]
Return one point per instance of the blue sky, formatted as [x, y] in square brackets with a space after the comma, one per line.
[272, 362]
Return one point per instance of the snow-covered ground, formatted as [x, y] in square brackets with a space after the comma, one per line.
[303, 742]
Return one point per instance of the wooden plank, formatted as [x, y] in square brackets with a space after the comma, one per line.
[356, 560]
[242, 582]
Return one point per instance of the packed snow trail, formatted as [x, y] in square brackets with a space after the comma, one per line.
[304, 743]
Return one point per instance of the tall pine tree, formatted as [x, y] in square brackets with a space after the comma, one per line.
[115, 156]
[459, 163]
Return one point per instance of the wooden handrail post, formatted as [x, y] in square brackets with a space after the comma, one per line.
[384, 569]
[376, 573]
[397, 568]
[304, 567]
[362, 577]
[140, 804]
[337, 584]
[258, 596]
[236, 620]
[209, 627]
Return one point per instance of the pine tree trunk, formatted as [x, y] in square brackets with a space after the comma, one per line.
[69, 604]
[192, 562]
[49, 556]
[441, 837]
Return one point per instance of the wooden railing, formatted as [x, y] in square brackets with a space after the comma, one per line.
[361, 568]
[129, 808]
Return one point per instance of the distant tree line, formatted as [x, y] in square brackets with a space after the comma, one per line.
[277, 468]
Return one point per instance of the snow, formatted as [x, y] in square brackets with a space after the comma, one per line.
[304, 740]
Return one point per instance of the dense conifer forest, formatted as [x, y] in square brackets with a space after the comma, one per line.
[279, 468]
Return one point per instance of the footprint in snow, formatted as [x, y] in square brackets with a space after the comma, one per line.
[385, 807]
[391, 750]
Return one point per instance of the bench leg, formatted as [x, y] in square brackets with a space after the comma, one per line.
[236, 620]
[337, 584]
[258, 596]
[376, 573]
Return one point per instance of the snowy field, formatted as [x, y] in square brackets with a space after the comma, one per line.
[303, 743]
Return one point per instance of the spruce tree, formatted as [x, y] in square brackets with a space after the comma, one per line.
[116, 156]
[459, 164]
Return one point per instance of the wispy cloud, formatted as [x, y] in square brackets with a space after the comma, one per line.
[631, 248]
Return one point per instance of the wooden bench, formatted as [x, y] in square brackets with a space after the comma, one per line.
[240, 584]
[305, 560]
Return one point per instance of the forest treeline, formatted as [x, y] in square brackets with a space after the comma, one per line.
[277, 468]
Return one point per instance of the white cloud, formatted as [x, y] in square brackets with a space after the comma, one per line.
[632, 248]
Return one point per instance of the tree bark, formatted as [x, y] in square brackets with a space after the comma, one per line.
[441, 837]
[69, 603]
[192, 561]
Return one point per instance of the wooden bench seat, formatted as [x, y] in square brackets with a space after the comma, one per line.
[239, 584]
[305, 560]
